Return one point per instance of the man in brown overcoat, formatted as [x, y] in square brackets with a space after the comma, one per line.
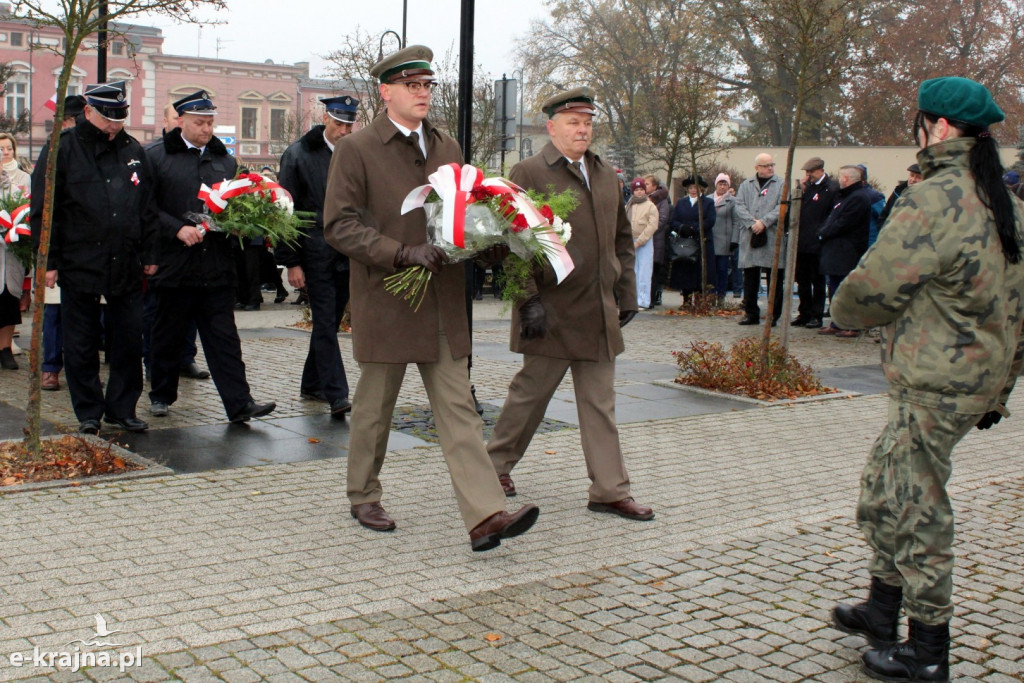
[371, 172]
[575, 325]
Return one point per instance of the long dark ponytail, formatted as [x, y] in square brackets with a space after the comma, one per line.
[987, 169]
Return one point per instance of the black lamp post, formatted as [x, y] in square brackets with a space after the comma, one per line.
[101, 47]
[380, 48]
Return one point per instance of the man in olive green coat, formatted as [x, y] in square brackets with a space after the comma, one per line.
[945, 282]
[372, 170]
[575, 324]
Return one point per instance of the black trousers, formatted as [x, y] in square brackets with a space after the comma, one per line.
[213, 312]
[188, 352]
[247, 269]
[83, 333]
[751, 287]
[324, 370]
[810, 286]
[659, 276]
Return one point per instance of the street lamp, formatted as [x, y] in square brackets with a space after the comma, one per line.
[380, 48]
[522, 96]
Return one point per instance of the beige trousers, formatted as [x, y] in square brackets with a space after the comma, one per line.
[528, 397]
[477, 490]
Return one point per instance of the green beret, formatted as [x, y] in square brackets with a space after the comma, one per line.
[959, 99]
[409, 62]
[578, 100]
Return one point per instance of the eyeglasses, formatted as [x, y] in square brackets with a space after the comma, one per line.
[415, 87]
[771, 165]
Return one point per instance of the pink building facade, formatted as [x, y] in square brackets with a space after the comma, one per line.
[262, 107]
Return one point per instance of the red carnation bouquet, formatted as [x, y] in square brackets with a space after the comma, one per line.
[251, 206]
[467, 213]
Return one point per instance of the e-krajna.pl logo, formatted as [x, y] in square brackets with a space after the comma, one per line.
[78, 657]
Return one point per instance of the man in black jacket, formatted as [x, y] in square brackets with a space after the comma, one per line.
[914, 176]
[819, 194]
[314, 264]
[844, 235]
[196, 278]
[102, 240]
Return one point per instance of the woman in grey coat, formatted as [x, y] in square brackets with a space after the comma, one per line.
[726, 232]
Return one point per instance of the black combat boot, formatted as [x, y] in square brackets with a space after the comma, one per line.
[923, 657]
[877, 619]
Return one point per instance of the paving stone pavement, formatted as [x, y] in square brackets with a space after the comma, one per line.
[259, 573]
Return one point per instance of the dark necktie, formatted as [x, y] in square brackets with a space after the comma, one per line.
[577, 170]
[414, 140]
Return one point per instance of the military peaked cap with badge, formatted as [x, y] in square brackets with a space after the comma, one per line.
[577, 101]
[410, 63]
[108, 99]
[341, 108]
[960, 100]
[198, 102]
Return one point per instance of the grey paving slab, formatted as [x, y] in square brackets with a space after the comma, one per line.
[259, 573]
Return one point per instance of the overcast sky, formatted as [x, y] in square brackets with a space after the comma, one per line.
[292, 31]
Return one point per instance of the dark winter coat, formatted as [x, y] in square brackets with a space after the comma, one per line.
[815, 206]
[660, 199]
[303, 173]
[844, 236]
[180, 172]
[896, 194]
[685, 221]
[102, 232]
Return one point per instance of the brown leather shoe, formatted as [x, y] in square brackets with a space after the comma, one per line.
[488, 533]
[50, 382]
[627, 507]
[507, 485]
[373, 516]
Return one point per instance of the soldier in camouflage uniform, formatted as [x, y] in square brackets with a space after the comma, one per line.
[945, 283]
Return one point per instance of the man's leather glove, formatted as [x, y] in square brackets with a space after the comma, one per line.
[533, 321]
[492, 256]
[990, 418]
[429, 256]
[625, 317]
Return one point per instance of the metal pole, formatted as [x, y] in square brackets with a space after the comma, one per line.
[101, 48]
[405, 12]
[465, 124]
[31, 92]
[504, 107]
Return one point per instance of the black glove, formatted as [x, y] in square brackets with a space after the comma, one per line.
[625, 317]
[733, 246]
[427, 255]
[533, 321]
[492, 256]
[990, 418]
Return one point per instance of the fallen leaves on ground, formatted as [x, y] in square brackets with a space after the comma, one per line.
[66, 457]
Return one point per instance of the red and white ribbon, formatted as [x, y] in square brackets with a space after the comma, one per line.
[460, 185]
[216, 197]
[14, 224]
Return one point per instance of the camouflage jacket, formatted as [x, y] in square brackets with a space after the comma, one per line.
[949, 304]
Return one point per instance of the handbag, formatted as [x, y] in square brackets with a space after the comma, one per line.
[686, 249]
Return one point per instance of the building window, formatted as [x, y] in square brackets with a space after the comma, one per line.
[17, 39]
[249, 123]
[117, 47]
[277, 124]
[16, 98]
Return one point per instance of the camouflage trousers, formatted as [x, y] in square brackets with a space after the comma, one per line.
[904, 511]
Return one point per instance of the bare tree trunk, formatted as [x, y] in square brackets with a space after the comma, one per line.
[779, 236]
[792, 247]
[33, 411]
